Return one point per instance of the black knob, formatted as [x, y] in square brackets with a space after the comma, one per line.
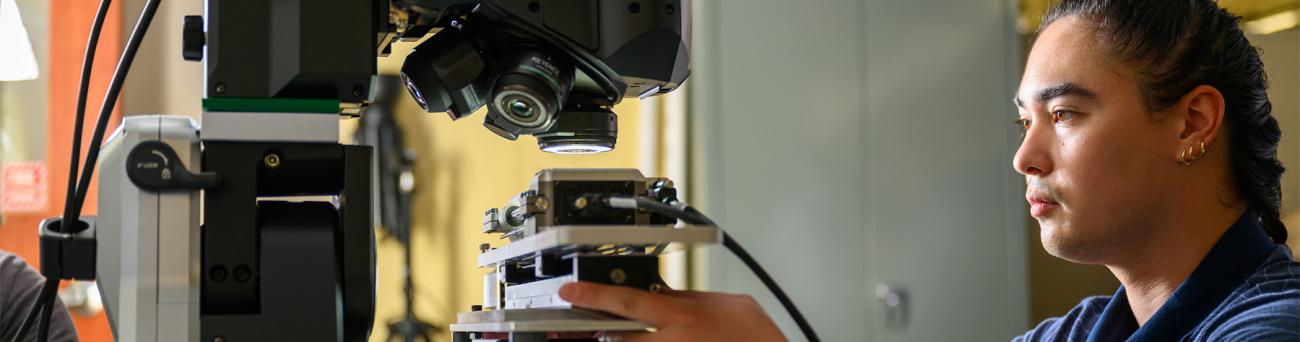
[192, 38]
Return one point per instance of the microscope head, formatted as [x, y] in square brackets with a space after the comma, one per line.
[550, 69]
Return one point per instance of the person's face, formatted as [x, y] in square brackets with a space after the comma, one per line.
[1091, 153]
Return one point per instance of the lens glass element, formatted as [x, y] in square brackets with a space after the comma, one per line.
[520, 108]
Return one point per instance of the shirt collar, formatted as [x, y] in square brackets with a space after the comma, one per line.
[1232, 259]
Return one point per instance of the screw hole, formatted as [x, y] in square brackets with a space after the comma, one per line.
[634, 7]
[534, 7]
[243, 273]
[218, 273]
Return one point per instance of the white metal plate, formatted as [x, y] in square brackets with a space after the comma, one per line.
[293, 127]
[551, 326]
[561, 236]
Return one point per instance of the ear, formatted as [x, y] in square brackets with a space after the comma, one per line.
[1204, 116]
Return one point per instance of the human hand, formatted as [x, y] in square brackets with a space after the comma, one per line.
[677, 315]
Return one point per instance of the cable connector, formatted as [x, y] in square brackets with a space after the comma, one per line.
[619, 202]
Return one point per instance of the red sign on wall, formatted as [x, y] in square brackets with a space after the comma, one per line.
[22, 187]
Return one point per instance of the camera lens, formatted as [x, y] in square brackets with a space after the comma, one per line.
[518, 101]
[527, 94]
[581, 131]
[446, 73]
[414, 91]
[520, 108]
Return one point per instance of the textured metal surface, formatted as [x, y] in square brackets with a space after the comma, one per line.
[563, 236]
[543, 320]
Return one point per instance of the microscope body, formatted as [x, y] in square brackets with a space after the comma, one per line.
[148, 242]
[259, 225]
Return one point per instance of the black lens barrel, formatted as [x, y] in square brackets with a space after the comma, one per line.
[581, 131]
[528, 91]
[446, 73]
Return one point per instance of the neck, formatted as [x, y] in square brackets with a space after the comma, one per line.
[1156, 269]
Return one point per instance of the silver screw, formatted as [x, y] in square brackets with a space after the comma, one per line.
[219, 339]
[221, 88]
[271, 160]
[543, 204]
[580, 203]
[618, 276]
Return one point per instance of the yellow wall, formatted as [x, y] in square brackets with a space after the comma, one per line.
[462, 170]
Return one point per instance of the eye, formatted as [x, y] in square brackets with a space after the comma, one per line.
[1062, 115]
[1024, 126]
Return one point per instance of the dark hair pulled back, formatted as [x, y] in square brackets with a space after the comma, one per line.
[1174, 46]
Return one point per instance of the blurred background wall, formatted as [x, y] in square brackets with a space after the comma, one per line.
[861, 151]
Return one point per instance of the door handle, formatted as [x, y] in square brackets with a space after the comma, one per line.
[894, 300]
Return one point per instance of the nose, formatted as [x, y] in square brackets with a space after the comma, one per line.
[1034, 156]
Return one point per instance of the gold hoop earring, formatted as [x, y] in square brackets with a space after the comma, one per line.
[1189, 156]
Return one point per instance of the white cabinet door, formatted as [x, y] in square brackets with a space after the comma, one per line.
[851, 144]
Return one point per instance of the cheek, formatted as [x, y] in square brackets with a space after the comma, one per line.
[1102, 169]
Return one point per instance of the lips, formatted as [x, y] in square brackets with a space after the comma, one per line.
[1039, 205]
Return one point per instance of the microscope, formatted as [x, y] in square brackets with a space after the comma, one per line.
[258, 225]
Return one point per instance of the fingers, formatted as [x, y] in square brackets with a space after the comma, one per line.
[626, 337]
[638, 305]
[692, 294]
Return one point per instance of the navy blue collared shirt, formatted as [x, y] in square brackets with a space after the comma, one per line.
[1246, 289]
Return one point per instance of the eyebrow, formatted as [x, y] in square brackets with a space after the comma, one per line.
[1063, 89]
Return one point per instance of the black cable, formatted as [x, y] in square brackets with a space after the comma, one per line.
[692, 216]
[30, 319]
[43, 333]
[86, 65]
[771, 285]
[105, 112]
[666, 209]
[45, 300]
[110, 99]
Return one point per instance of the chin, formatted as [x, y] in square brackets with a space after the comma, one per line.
[1059, 241]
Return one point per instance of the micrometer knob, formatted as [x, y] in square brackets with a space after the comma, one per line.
[192, 38]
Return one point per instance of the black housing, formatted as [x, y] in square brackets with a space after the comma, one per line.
[291, 49]
[607, 50]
